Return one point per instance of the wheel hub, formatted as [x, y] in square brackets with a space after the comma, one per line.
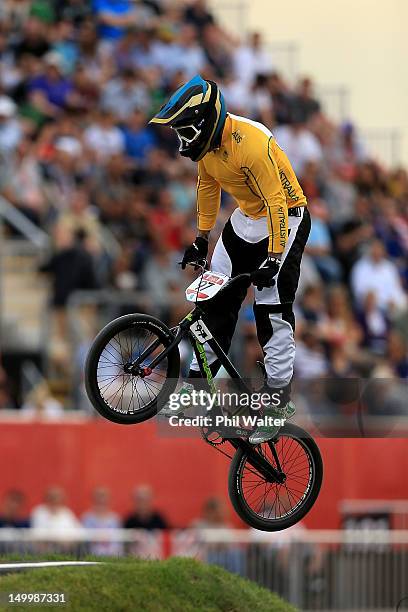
[135, 370]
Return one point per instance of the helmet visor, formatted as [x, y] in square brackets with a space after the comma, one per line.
[187, 134]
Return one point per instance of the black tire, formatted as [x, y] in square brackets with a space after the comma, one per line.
[130, 324]
[277, 523]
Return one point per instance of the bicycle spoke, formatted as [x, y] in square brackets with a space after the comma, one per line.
[124, 392]
[272, 500]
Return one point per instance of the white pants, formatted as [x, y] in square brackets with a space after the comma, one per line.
[243, 247]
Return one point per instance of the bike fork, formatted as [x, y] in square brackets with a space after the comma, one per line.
[258, 462]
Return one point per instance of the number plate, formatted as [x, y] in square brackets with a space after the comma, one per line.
[200, 331]
[206, 287]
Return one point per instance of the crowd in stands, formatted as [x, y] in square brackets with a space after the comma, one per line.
[55, 518]
[79, 81]
[60, 528]
[55, 515]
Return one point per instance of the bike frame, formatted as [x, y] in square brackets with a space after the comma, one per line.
[192, 327]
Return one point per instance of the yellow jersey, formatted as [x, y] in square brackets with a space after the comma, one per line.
[251, 167]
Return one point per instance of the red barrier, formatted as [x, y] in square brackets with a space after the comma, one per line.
[182, 471]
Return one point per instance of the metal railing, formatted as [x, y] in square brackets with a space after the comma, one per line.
[314, 570]
[285, 58]
[233, 15]
[31, 232]
[335, 101]
[384, 145]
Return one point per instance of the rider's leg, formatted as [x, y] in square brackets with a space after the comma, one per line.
[275, 320]
[233, 254]
[273, 307]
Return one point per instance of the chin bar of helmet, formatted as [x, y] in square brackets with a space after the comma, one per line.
[183, 139]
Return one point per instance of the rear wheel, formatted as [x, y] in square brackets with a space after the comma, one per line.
[117, 394]
[270, 506]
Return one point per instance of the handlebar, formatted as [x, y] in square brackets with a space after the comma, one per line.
[202, 265]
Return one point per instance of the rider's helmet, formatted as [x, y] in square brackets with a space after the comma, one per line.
[196, 111]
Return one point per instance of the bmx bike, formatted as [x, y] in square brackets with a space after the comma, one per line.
[133, 367]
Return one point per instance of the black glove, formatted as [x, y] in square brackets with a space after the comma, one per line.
[196, 251]
[263, 277]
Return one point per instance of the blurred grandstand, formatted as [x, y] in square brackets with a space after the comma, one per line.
[96, 208]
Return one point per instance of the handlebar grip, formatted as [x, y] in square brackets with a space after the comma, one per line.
[200, 263]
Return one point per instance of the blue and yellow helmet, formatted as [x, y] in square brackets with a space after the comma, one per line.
[196, 111]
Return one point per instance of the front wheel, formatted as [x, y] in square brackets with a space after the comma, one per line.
[115, 392]
[270, 506]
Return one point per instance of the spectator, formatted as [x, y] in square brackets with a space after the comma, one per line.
[319, 244]
[143, 55]
[375, 273]
[97, 62]
[183, 189]
[398, 355]
[144, 516]
[218, 50]
[353, 235]
[75, 11]
[260, 102]
[10, 129]
[24, 186]
[81, 218]
[111, 191]
[375, 325]
[53, 515]
[340, 329]
[312, 307]
[251, 60]
[124, 95]
[161, 278]
[304, 102]
[237, 95]
[198, 14]
[65, 45]
[12, 511]
[71, 268]
[41, 405]
[103, 138]
[139, 139]
[299, 144]
[100, 516]
[62, 172]
[50, 91]
[14, 14]
[113, 17]
[310, 361]
[213, 515]
[188, 56]
[281, 97]
[392, 228]
[350, 150]
[34, 40]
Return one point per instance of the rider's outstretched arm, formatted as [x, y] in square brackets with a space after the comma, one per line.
[208, 201]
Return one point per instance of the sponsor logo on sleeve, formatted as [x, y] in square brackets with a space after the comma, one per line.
[282, 226]
[287, 185]
[237, 136]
